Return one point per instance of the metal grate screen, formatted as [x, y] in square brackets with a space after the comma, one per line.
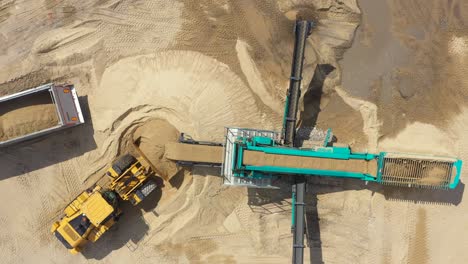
[417, 173]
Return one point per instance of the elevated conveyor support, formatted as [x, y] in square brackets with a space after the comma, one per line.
[301, 31]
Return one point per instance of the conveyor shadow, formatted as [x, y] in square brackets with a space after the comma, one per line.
[391, 193]
[34, 154]
[424, 196]
[278, 201]
[317, 185]
[129, 231]
[312, 98]
[268, 201]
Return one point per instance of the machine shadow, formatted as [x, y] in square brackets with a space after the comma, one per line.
[312, 98]
[278, 201]
[322, 185]
[49, 149]
[274, 201]
[313, 95]
[129, 231]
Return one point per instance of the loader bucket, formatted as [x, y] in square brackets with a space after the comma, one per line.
[419, 171]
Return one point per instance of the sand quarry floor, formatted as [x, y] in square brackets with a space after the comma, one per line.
[385, 75]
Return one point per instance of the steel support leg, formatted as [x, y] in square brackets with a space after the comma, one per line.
[299, 188]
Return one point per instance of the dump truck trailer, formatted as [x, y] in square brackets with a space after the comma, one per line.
[38, 111]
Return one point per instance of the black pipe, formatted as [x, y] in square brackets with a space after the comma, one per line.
[302, 31]
[299, 188]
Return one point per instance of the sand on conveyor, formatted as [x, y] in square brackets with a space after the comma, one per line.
[193, 152]
[255, 158]
[26, 115]
[214, 154]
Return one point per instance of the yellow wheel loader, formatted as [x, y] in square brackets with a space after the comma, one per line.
[96, 210]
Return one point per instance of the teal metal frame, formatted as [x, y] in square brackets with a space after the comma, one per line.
[269, 146]
[458, 165]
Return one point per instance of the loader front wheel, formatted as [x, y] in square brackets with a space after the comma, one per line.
[123, 163]
[149, 187]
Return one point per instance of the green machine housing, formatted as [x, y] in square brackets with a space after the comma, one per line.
[256, 157]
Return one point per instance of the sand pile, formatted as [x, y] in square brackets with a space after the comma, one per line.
[30, 114]
[151, 137]
[199, 97]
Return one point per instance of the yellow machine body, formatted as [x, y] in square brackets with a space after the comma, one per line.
[96, 210]
[127, 183]
[86, 218]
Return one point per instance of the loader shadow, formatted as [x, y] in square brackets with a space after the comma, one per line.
[129, 231]
[34, 154]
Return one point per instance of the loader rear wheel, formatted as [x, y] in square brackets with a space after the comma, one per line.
[123, 163]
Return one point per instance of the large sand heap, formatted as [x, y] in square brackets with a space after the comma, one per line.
[194, 91]
[150, 137]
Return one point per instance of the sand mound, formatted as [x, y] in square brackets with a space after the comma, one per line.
[201, 96]
[151, 137]
[420, 138]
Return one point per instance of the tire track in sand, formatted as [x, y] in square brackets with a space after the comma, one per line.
[418, 246]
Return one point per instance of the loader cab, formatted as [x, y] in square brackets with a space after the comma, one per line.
[73, 233]
[95, 216]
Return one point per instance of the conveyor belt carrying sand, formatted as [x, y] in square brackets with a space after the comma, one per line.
[262, 159]
[195, 153]
[214, 154]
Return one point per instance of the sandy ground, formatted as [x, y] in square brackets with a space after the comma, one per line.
[406, 61]
[149, 69]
